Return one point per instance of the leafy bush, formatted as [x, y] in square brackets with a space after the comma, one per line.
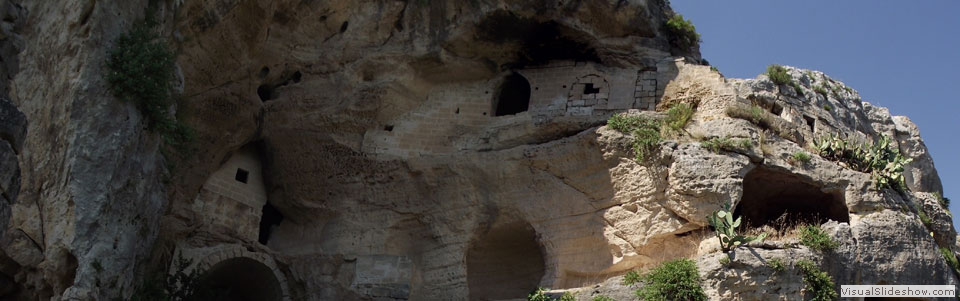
[726, 229]
[674, 280]
[820, 90]
[602, 298]
[678, 116]
[951, 259]
[141, 70]
[817, 239]
[799, 158]
[926, 220]
[819, 283]
[827, 108]
[631, 278]
[725, 261]
[776, 264]
[567, 296]
[797, 88]
[778, 74]
[645, 132]
[717, 144]
[945, 202]
[682, 32]
[884, 163]
[539, 295]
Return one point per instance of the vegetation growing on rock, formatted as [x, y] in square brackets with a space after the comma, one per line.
[674, 280]
[778, 75]
[884, 163]
[725, 227]
[817, 239]
[819, 283]
[682, 32]
[141, 70]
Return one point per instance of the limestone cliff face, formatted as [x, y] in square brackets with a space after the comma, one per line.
[428, 150]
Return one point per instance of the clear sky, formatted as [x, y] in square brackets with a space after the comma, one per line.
[903, 55]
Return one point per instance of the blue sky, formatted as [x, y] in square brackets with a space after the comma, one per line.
[901, 55]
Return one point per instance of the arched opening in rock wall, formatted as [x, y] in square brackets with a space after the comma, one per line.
[507, 262]
[270, 217]
[769, 195]
[514, 96]
[240, 279]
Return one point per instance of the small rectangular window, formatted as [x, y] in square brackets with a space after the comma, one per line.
[242, 175]
[589, 89]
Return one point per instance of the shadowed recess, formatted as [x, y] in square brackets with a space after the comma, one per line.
[505, 263]
[514, 96]
[769, 195]
[240, 279]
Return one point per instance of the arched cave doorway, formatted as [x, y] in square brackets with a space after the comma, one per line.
[514, 96]
[239, 279]
[505, 263]
[769, 195]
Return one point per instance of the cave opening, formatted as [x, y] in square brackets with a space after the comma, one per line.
[266, 92]
[270, 218]
[541, 41]
[514, 96]
[239, 279]
[506, 262]
[772, 197]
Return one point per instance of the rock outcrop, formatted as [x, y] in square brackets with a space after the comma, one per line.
[431, 150]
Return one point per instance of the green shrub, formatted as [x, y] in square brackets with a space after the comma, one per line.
[797, 88]
[884, 163]
[714, 69]
[645, 132]
[828, 108]
[141, 70]
[678, 116]
[817, 239]
[725, 227]
[674, 280]
[682, 32]
[945, 202]
[539, 295]
[820, 90]
[567, 296]
[718, 144]
[602, 298]
[725, 260]
[776, 264]
[779, 75]
[951, 259]
[926, 220]
[631, 278]
[799, 158]
[818, 282]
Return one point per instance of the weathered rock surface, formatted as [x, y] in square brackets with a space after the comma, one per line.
[430, 150]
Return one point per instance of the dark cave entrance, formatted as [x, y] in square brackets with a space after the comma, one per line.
[239, 279]
[505, 263]
[270, 217]
[541, 41]
[514, 96]
[769, 195]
